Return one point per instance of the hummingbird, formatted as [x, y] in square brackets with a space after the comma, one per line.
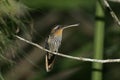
[53, 43]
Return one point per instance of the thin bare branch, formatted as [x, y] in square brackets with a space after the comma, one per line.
[114, 16]
[68, 56]
[117, 1]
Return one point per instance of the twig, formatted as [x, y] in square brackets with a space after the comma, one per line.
[117, 1]
[68, 56]
[114, 16]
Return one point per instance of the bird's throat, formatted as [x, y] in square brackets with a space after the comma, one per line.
[59, 32]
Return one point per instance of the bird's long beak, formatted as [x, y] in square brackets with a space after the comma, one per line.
[70, 26]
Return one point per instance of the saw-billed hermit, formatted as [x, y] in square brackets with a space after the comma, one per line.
[53, 43]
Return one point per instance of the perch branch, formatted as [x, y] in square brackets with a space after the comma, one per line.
[68, 56]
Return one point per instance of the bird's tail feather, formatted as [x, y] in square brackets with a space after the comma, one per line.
[50, 59]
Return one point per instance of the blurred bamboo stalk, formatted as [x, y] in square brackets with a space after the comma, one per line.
[98, 43]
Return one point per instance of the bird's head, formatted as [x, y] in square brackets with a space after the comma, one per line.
[59, 29]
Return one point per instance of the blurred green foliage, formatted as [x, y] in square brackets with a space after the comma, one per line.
[13, 20]
[58, 4]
